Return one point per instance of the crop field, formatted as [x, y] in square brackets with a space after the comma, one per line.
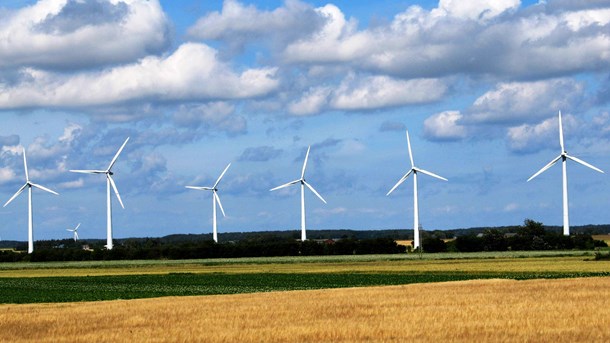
[109, 280]
[564, 310]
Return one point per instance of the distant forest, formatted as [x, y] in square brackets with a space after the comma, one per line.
[531, 235]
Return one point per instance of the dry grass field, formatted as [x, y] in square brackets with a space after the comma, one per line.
[359, 264]
[563, 310]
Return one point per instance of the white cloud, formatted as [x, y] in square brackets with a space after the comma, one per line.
[460, 37]
[529, 138]
[239, 24]
[314, 101]
[6, 175]
[382, 91]
[192, 72]
[85, 33]
[519, 101]
[445, 126]
[477, 9]
[368, 93]
[79, 183]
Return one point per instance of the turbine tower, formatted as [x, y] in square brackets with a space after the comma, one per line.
[564, 157]
[215, 199]
[29, 184]
[109, 182]
[75, 232]
[414, 170]
[303, 184]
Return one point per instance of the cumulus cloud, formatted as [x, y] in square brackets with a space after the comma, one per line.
[445, 126]
[459, 36]
[238, 24]
[519, 101]
[192, 72]
[528, 138]
[73, 34]
[368, 93]
[476, 9]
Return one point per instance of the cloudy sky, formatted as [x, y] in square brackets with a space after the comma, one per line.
[200, 84]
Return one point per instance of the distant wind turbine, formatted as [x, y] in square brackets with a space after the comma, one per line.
[414, 170]
[303, 184]
[29, 184]
[563, 157]
[215, 199]
[75, 232]
[109, 183]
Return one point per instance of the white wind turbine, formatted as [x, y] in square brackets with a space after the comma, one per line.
[109, 183]
[563, 157]
[414, 170]
[75, 232]
[29, 184]
[303, 184]
[215, 199]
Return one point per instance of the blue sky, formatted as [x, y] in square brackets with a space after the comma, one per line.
[200, 84]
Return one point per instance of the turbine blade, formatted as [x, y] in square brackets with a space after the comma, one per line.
[549, 165]
[25, 166]
[305, 162]
[578, 160]
[76, 238]
[221, 175]
[200, 188]
[43, 188]
[116, 191]
[314, 191]
[285, 185]
[402, 179]
[219, 204]
[16, 194]
[77, 226]
[88, 171]
[410, 152]
[432, 174]
[117, 154]
[561, 134]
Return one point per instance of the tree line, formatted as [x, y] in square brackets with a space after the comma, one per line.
[532, 235]
[151, 248]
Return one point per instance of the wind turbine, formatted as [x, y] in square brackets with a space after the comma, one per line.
[303, 184]
[564, 157]
[75, 231]
[29, 184]
[414, 170]
[109, 183]
[215, 198]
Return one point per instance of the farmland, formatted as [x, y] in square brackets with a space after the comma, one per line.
[564, 310]
[90, 281]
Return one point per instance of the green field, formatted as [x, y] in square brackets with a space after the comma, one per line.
[108, 280]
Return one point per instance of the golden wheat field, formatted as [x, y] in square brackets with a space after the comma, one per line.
[564, 310]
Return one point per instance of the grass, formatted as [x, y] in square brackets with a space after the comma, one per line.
[565, 310]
